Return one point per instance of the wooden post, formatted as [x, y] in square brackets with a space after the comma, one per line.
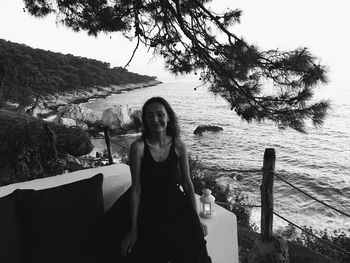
[266, 190]
[108, 143]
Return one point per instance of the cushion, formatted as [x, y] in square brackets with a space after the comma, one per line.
[10, 239]
[60, 223]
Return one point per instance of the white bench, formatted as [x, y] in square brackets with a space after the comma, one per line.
[222, 240]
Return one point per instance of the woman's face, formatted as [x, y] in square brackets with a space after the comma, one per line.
[156, 117]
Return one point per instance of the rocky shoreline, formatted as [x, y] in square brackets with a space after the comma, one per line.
[49, 108]
[48, 105]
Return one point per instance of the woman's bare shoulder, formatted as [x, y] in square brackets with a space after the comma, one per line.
[180, 146]
[137, 146]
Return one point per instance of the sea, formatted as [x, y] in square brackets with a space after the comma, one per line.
[317, 162]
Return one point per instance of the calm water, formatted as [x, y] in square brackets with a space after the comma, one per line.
[317, 162]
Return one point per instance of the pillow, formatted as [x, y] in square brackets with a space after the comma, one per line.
[10, 239]
[60, 223]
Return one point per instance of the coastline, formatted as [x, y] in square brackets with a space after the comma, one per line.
[102, 92]
[48, 108]
[48, 105]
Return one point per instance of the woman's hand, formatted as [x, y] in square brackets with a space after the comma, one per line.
[128, 243]
[204, 228]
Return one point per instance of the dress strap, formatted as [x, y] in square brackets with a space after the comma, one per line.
[172, 148]
[147, 151]
[146, 147]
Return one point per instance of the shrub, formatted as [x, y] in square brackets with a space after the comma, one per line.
[235, 202]
[337, 237]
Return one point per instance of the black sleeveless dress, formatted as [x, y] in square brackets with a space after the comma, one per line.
[169, 229]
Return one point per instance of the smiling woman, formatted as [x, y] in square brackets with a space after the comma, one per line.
[157, 112]
[156, 117]
[164, 220]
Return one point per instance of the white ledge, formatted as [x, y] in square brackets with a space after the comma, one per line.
[222, 242]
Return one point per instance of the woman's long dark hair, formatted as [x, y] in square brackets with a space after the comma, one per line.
[172, 128]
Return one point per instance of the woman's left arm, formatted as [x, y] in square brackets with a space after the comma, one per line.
[185, 172]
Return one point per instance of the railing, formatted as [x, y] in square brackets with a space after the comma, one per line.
[266, 206]
[266, 190]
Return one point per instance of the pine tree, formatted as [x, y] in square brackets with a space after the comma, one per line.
[183, 33]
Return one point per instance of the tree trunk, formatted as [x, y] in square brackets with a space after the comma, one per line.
[3, 81]
[52, 141]
[108, 143]
[2, 95]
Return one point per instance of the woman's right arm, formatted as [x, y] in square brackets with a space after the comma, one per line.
[135, 155]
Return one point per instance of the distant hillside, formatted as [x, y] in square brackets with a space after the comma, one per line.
[26, 73]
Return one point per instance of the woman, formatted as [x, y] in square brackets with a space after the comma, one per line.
[164, 222]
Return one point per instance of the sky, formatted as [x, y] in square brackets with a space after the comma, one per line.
[320, 25]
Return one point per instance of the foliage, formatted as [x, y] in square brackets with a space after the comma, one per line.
[187, 35]
[235, 202]
[26, 147]
[26, 73]
[338, 238]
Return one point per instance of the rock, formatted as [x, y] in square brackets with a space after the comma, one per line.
[54, 103]
[78, 113]
[239, 177]
[71, 159]
[116, 117]
[275, 251]
[40, 111]
[60, 102]
[67, 122]
[100, 135]
[207, 128]
[72, 163]
[83, 126]
[136, 120]
[42, 114]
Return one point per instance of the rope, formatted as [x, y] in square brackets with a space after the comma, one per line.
[121, 145]
[339, 211]
[226, 203]
[232, 170]
[308, 232]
